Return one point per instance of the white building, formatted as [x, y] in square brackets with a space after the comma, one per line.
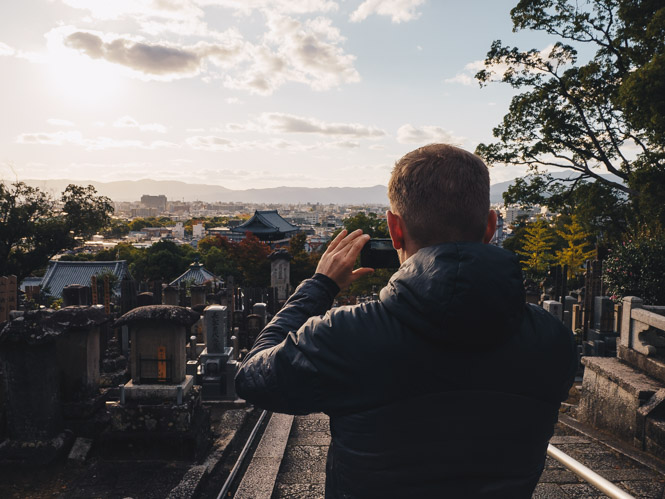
[198, 231]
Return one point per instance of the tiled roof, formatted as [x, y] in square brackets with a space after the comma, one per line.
[60, 273]
[196, 274]
[263, 222]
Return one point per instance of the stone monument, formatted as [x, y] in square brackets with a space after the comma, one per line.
[626, 394]
[160, 408]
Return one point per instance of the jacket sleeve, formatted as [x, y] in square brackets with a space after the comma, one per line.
[280, 373]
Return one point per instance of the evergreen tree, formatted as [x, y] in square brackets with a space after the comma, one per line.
[576, 251]
[537, 248]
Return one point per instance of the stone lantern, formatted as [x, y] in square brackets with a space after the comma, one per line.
[159, 412]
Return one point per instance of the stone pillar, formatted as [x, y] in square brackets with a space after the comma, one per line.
[75, 294]
[568, 303]
[128, 295]
[145, 299]
[215, 326]
[198, 294]
[170, 295]
[554, 307]
[603, 314]
[629, 303]
[576, 317]
[32, 389]
[261, 309]
[78, 350]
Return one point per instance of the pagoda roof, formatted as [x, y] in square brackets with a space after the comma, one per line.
[62, 273]
[266, 222]
[196, 274]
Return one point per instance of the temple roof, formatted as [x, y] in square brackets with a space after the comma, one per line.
[63, 273]
[196, 274]
[266, 222]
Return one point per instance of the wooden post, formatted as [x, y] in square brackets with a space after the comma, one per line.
[107, 295]
[93, 285]
[4, 309]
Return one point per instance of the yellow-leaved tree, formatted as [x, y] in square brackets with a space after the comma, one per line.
[577, 250]
[537, 248]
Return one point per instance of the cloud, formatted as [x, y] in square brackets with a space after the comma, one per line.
[409, 134]
[289, 123]
[74, 137]
[6, 50]
[398, 10]
[308, 52]
[59, 122]
[158, 61]
[463, 78]
[467, 77]
[210, 143]
[129, 122]
[293, 51]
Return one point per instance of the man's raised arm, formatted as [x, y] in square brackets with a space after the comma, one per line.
[280, 372]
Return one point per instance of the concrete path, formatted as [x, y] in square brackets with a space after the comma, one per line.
[302, 471]
[259, 479]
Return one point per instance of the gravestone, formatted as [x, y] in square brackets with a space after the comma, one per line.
[160, 412]
[601, 337]
[170, 295]
[32, 389]
[215, 326]
[218, 368]
[554, 307]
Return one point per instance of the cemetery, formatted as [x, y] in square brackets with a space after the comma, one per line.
[147, 377]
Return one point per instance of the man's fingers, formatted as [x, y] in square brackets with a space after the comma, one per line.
[348, 240]
[362, 271]
[335, 242]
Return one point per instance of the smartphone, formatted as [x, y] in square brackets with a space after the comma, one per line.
[379, 254]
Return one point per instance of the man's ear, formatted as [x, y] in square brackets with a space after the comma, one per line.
[396, 230]
[491, 226]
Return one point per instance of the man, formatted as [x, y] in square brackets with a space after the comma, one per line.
[450, 384]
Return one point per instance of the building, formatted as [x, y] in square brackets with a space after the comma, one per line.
[268, 226]
[63, 273]
[196, 274]
[156, 202]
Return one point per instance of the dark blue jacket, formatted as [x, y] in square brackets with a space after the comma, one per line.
[449, 386]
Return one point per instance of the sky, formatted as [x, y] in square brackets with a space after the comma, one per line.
[245, 93]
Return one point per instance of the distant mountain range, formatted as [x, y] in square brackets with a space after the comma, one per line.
[132, 190]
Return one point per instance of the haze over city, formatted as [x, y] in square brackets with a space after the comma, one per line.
[244, 94]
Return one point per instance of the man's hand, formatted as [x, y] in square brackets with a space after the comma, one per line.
[338, 260]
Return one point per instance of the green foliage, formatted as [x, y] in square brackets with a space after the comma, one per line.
[584, 117]
[140, 223]
[163, 260]
[303, 264]
[537, 249]
[636, 267]
[370, 224]
[32, 231]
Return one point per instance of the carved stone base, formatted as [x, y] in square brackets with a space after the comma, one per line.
[35, 452]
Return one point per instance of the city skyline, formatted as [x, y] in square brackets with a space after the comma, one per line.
[258, 94]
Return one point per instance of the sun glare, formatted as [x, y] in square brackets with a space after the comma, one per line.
[84, 81]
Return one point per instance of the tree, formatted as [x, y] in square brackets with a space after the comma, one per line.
[252, 257]
[576, 251]
[582, 117]
[636, 267]
[303, 264]
[537, 248]
[163, 260]
[369, 223]
[33, 230]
